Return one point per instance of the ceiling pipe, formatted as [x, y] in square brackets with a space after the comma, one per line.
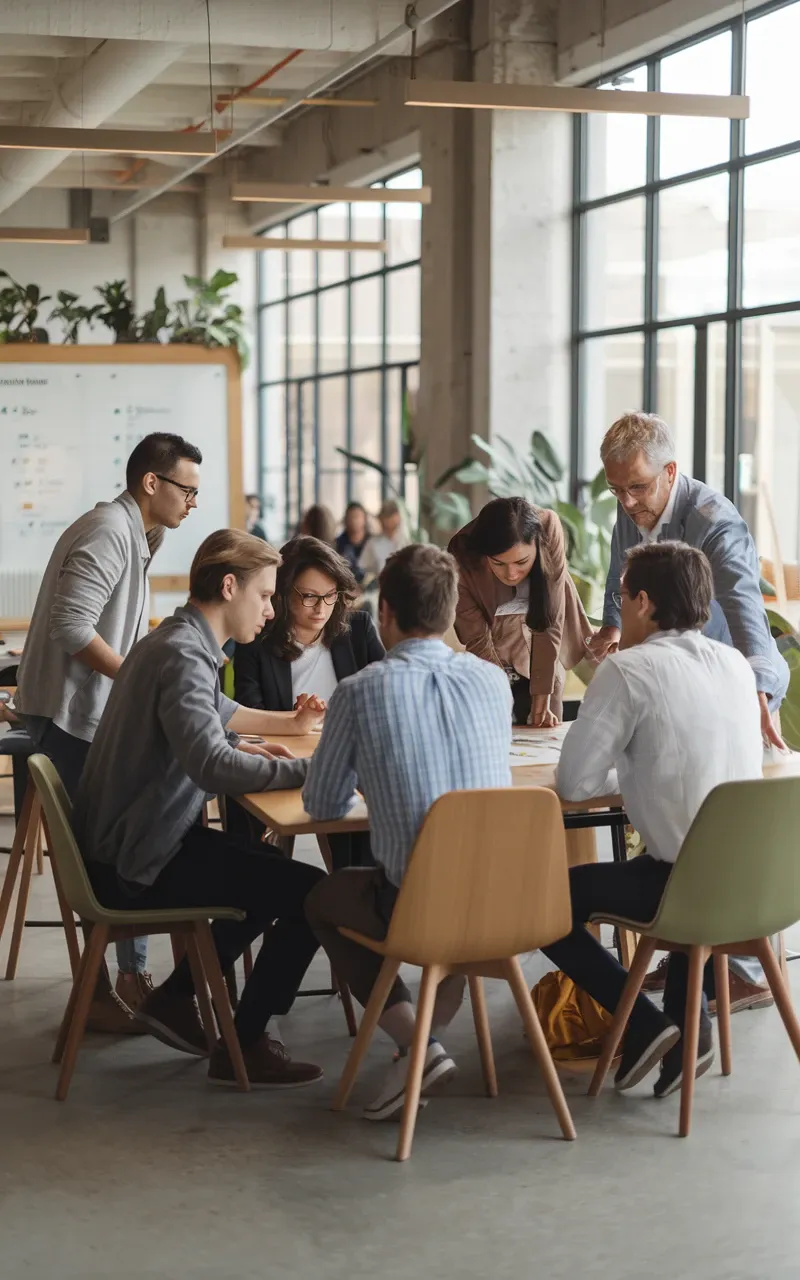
[416, 16]
[102, 85]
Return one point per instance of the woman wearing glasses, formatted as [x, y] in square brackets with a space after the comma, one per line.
[315, 640]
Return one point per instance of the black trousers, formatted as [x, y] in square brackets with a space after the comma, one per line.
[634, 890]
[67, 753]
[213, 868]
[348, 848]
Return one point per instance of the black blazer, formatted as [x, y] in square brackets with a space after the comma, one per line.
[264, 681]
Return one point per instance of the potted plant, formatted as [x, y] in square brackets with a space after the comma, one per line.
[207, 319]
[444, 510]
[154, 320]
[72, 314]
[19, 311]
[117, 312]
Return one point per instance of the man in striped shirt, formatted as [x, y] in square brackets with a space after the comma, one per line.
[404, 731]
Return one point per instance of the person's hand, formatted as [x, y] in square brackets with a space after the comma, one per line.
[309, 712]
[271, 750]
[541, 716]
[603, 642]
[768, 731]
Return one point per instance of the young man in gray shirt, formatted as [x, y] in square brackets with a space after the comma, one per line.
[167, 738]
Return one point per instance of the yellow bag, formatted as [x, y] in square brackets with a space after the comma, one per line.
[573, 1023]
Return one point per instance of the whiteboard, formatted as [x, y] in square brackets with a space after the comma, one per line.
[66, 431]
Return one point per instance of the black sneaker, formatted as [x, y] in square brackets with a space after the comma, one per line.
[174, 1020]
[641, 1050]
[671, 1077]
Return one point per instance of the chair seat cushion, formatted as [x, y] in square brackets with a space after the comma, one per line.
[186, 915]
[16, 743]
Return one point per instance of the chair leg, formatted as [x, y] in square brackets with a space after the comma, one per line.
[691, 1034]
[780, 990]
[201, 990]
[24, 890]
[219, 995]
[782, 958]
[15, 857]
[431, 977]
[346, 998]
[67, 916]
[483, 1032]
[66, 1021]
[247, 961]
[373, 1011]
[94, 958]
[178, 944]
[636, 976]
[723, 1011]
[516, 980]
[39, 850]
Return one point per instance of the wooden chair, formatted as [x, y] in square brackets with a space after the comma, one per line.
[735, 884]
[27, 854]
[111, 926]
[487, 881]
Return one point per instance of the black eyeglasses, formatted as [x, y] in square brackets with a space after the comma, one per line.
[185, 489]
[309, 599]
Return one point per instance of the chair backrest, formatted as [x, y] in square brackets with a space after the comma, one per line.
[58, 813]
[737, 876]
[487, 879]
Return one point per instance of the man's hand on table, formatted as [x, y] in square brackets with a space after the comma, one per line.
[272, 750]
[309, 712]
[768, 731]
[603, 642]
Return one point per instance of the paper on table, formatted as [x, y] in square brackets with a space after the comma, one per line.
[537, 746]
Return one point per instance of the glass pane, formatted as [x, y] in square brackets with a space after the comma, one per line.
[366, 428]
[402, 310]
[272, 327]
[771, 232]
[771, 78]
[769, 462]
[333, 225]
[404, 221]
[394, 423]
[616, 146]
[292, 462]
[301, 337]
[332, 423]
[366, 322]
[366, 223]
[333, 329]
[611, 383]
[305, 405]
[614, 265]
[693, 248]
[715, 405]
[273, 268]
[302, 262]
[333, 493]
[675, 389]
[694, 144]
[273, 482]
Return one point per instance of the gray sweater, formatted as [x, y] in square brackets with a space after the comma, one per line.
[160, 748]
[95, 585]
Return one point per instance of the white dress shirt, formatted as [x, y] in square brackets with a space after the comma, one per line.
[653, 535]
[313, 672]
[674, 716]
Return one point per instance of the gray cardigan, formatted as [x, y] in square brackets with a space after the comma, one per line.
[705, 519]
[95, 584]
[160, 748]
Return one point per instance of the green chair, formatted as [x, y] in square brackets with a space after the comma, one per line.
[190, 924]
[735, 884]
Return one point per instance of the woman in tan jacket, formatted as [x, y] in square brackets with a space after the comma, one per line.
[517, 604]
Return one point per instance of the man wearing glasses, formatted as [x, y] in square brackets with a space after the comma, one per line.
[655, 504]
[91, 609]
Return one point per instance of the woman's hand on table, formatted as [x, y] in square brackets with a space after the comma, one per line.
[272, 750]
[309, 711]
[541, 716]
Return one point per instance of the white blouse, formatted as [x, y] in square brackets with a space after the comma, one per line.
[313, 672]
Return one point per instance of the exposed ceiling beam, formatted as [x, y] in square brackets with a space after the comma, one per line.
[303, 193]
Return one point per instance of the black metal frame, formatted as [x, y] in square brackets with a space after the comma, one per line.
[294, 385]
[735, 166]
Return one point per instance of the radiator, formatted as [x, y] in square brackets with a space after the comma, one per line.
[18, 591]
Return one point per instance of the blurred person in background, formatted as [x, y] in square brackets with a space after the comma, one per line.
[392, 537]
[318, 522]
[351, 542]
[254, 513]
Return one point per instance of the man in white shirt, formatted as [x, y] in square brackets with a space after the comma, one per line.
[392, 537]
[675, 714]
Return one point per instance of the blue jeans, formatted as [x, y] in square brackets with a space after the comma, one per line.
[68, 754]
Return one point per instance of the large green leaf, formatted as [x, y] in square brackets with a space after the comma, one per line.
[599, 485]
[461, 471]
[362, 461]
[603, 511]
[546, 457]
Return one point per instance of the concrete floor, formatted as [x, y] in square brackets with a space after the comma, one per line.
[146, 1172]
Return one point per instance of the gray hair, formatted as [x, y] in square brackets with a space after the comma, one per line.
[638, 432]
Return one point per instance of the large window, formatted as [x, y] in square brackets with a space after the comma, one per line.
[338, 342]
[687, 282]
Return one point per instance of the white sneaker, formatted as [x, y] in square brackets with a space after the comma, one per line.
[391, 1099]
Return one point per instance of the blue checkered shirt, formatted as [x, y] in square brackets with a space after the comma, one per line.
[404, 731]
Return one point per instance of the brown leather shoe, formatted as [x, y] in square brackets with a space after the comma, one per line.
[133, 988]
[744, 994]
[268, 1067]
[656, 979]
[111, 1017]
[174, 1020]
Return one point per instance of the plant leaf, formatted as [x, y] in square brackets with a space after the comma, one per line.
[361, 461]
[599, 486]
[546, 457]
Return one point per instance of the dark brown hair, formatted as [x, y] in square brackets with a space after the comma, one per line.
[227, 551]
[158, 452]
[318, 522]
[298, 555]
[500, 525]
[420, 586]
[678, 580]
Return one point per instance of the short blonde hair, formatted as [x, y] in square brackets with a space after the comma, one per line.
[228, 551]
[638, 433]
